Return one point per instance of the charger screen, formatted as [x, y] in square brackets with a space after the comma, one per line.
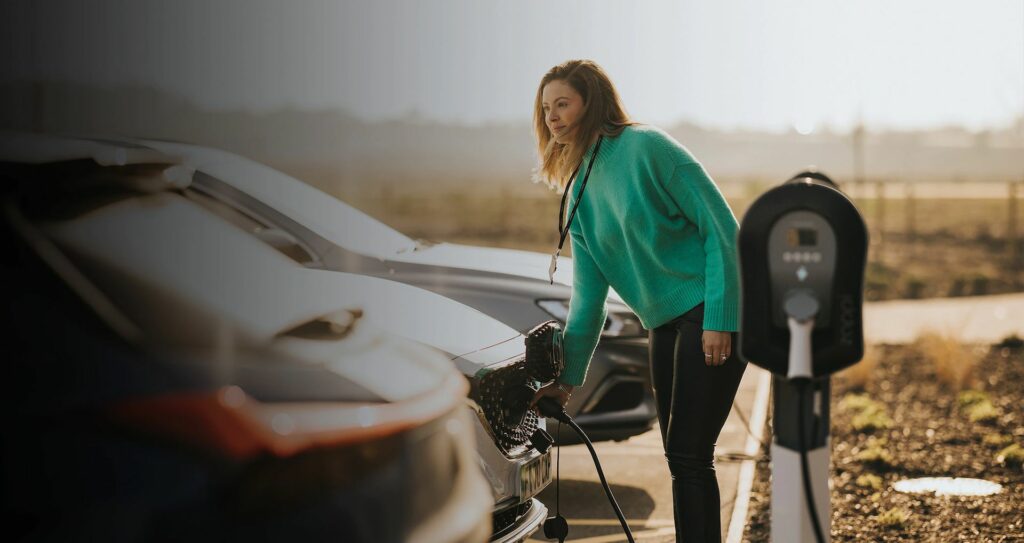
[802, 237]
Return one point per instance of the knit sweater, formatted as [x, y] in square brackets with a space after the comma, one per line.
[653, 226]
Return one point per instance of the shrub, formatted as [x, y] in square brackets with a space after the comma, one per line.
[870, 480]
[980, 284]
[1011, 456]
[996, 440]
[871, 421]
[875, 453]
[982, 411]
[869, 415]
[1012, 341]
[914, 287]
[893, 518]
[954, 363]
[968, 398]
[858, 403]
[860, 375]
[879, 280]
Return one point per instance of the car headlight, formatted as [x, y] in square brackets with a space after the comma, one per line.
[621, 322]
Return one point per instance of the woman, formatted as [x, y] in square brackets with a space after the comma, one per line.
[651, 224]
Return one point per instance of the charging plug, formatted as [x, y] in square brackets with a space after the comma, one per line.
[541, 440]
[556, 528]
[549, 407]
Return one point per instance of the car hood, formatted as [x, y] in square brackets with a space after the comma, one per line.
[162, 251]
[470, 337]
[353, 230]
[525, 264]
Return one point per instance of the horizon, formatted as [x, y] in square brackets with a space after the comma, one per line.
[1015, 125]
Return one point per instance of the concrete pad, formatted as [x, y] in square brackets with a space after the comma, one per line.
[638, 475]
[974, 319]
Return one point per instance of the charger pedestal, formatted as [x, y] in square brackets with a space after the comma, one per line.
[791, 521]
[802, 253]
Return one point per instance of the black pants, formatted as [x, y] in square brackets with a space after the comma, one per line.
[693, 400]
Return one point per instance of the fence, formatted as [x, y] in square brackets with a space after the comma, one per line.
[927, 239]
[911, 222]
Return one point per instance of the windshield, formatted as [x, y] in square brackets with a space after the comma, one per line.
[322, 213]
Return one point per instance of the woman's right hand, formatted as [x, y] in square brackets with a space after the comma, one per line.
[561, 392]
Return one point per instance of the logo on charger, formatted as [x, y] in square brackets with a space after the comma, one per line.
[847, 320]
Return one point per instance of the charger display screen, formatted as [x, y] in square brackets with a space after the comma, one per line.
[802, 237]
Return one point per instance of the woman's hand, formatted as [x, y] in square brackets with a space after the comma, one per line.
[717, 347]
[561, 392]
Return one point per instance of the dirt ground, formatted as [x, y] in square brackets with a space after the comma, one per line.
[930, 434]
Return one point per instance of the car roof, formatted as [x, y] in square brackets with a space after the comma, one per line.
[328, 216]
[35, 148]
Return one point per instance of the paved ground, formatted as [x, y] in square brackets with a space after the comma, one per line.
[978, 318]
[639, 477]
[636, 468]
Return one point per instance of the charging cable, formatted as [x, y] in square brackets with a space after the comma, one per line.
[549, 407]
[803, 390]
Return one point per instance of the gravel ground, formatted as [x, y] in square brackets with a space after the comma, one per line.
[930, 435]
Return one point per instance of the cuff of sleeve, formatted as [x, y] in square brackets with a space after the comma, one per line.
[721, 317]
[574, 374]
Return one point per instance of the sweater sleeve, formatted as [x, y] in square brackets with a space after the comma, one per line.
[587, 313]
[699, 199]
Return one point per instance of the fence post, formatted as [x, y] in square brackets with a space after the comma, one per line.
[880, 220]
[911, 226]
[1011, 235]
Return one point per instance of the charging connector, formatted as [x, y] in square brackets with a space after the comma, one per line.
[549, 407]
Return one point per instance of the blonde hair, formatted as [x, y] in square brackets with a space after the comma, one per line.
[603, 114]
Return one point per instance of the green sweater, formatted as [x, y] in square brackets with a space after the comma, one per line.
[653, 226]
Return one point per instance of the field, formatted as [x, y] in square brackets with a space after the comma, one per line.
[936, 242]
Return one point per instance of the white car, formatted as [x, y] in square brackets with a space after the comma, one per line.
[321, 231]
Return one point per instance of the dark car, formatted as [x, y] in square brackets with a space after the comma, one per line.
[155, 392]
[195, 273]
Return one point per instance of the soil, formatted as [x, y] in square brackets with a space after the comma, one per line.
[931, 436]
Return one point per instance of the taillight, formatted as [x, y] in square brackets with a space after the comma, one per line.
[228, 423]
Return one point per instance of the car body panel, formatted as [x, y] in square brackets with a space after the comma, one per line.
[503, 283]
[82, 463]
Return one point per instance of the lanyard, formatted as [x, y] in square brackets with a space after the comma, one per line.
[563, 232]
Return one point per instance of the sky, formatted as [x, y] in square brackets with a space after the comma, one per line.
[728, 64]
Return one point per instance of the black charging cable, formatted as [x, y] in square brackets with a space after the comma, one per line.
[803, 389]
[549, 407]
[557, 527]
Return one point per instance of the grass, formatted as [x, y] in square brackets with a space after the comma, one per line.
[954, 362]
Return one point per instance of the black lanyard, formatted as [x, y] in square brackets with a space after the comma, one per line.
[564, 231]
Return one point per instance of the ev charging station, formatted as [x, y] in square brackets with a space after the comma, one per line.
[802, 253]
